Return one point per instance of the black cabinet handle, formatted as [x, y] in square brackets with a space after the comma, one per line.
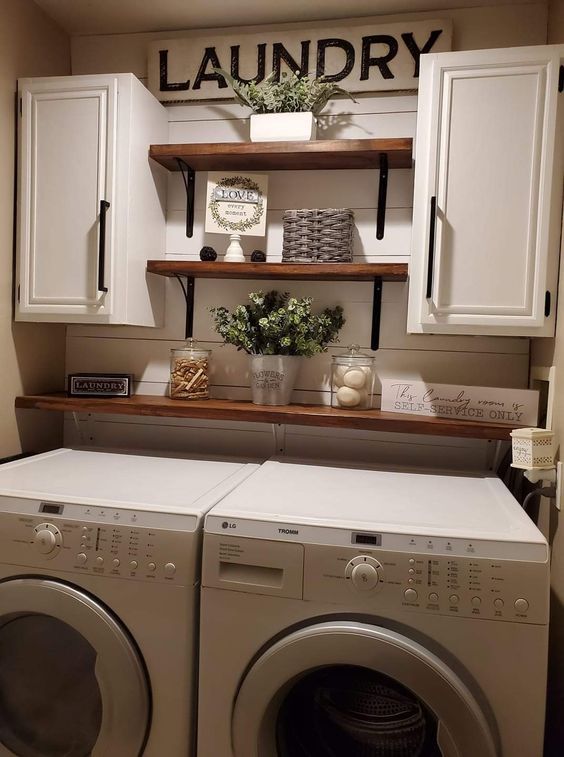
[431, 258]
[104, 205]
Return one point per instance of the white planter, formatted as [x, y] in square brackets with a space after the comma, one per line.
[273, 378]
[282, 127]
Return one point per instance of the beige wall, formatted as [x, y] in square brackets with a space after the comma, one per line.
[556, 21]
[31, 355]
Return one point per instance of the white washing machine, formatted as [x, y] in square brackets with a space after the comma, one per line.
[99, 573]
[352, 613]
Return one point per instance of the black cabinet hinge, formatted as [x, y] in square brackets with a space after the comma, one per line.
[547, 304]
[561, 79]
[18, 292]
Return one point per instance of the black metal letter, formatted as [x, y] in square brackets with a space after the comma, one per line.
[210, 56]
[261, 64]
[381, 62]
[416, 53]
[348, 49]
[165, 85]
[279, 53]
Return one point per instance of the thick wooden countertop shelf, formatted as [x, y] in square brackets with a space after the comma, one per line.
[280, 271]
[301, 415]
[320, 154]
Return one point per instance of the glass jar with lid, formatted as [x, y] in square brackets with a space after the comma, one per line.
[189, 372]
[352, 379]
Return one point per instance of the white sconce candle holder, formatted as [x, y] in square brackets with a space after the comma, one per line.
[533, 448]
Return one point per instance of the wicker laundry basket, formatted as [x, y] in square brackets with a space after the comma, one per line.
[323, 236]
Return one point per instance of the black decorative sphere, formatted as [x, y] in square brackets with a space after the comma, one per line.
[258, 256]
[208, 254]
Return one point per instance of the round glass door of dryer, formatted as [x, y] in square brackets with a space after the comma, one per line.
[72, 683]
[350, 710]
[344, 688]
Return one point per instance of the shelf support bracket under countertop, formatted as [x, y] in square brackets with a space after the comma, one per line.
[382, 196]
[189, 177]
[187, 284]
[376, 313]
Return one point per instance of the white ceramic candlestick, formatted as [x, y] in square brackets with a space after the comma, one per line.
[234, 253]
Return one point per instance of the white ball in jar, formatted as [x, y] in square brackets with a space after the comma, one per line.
[339, 374]
[347, 397]
[355, 378]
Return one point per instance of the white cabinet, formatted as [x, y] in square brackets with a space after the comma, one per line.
[488, 192]
[91, 206]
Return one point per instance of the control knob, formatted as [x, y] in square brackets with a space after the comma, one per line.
[47, 539]
[364, 572]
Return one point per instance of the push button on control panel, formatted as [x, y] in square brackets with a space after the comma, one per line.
[81, 558]
[521, 605]
[170, 569]
[410, 595]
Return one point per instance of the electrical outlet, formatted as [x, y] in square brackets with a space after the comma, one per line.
[559, 471]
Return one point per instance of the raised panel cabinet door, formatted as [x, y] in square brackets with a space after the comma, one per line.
[488, 188]
[66, 168]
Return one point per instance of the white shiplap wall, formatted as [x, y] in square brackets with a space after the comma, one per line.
[492, 361]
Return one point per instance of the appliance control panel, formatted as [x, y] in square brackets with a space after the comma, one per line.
[373, 580]
[116, 543]
[438, 584]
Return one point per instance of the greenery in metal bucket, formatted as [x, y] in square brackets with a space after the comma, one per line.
[292, 94]
[277, 324]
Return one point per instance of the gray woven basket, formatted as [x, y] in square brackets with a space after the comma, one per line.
[323, 236]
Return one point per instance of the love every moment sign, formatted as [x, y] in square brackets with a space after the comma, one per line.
[360, 57]
[236, 203]
[518, 407]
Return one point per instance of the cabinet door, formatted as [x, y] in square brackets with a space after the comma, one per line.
[488, 187]
[66, 153]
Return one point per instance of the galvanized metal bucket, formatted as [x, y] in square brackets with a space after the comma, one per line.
[273, 378]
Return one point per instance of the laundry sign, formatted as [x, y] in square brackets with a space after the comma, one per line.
[516, 407]
[361, 58]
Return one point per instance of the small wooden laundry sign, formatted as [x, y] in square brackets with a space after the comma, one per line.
[517, 407]
[100, 385]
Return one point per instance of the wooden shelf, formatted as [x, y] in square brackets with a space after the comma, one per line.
[190, 270]
[280, 271]
[318, 154]
[302, 415]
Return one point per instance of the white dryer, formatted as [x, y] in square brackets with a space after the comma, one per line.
[99, 575]
[361, 613]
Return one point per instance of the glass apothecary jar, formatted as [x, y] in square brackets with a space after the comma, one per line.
[352, 379]
[189, 372]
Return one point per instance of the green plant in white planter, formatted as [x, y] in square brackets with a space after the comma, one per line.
[276, 330]
[285, 109]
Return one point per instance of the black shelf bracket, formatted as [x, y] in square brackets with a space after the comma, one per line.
[382, 196]
[376, 313]
[188, 288]
[189, 176]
